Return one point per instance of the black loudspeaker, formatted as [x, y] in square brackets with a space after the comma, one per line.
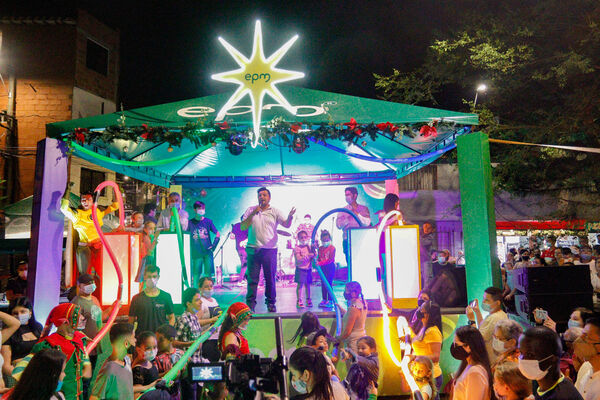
[557, 290]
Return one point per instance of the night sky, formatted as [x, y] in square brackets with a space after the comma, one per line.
[169, 49]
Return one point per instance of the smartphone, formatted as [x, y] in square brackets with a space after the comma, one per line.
[472, 304]
[540, 314]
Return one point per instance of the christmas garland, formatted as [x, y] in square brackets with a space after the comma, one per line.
[292, 134]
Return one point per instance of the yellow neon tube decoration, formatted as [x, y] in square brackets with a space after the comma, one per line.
[401, 326]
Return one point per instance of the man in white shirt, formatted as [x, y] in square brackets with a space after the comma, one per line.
[492, 303]
[587, 347]
[261, 223]
[164, 220]
[345, 221]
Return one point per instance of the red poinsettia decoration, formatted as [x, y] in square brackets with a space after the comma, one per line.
[147, 132]
[387, 126]
[295, 128]
[80, 135]
[223, 125]
[352, 124]
[428, 130]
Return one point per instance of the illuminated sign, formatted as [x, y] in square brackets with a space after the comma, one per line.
[256, 77]
[202, 111]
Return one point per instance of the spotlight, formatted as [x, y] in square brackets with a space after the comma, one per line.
[299, 144]
[237, 143]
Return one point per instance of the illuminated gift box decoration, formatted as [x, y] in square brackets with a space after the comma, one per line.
[126, 248]
[402, 278]
[167, 259]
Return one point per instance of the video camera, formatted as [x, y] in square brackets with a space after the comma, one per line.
[248, 374]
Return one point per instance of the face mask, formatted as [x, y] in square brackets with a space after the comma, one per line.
[307, 221]
[498, 345]
[347, 296]
[243, 327]
[419, 314]
[573, 324]
[207, 293]
[151, 283]
[531, 369]
[486, 307]
[325, 244]
[81, 325]
[441, 259]
[23, 274]
[349, 199]
[150, 355]
[89, 289]
[458, 352]
[299, 386]
[24, 318]
[498, 397]
[59, 386]
[585, 257]
[303, 242]
[584, 350]
[200, 212]
[420, 302]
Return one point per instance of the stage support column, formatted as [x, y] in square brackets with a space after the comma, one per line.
[478, 214]
[47, 226]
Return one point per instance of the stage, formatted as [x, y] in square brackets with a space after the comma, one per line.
[286, 298]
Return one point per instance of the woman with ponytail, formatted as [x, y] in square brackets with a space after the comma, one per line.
[353, 323]
[309, 376]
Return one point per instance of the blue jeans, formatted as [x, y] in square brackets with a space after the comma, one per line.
[267, 260]
[329, 272]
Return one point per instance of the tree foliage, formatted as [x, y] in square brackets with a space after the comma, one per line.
[541, 63]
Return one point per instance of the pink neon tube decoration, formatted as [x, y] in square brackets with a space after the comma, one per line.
[113, 315]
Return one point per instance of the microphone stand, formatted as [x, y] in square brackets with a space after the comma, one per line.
[219, 271]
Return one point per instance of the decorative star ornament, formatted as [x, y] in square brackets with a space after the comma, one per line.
[256, 77]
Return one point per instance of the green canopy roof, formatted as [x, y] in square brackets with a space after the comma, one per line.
[276, 163]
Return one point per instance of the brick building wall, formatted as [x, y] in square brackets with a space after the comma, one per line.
[49, 60]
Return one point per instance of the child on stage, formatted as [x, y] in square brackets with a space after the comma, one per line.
[326, 261]
[303, 256]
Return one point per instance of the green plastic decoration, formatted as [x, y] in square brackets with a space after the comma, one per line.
[177, 222]
[153, 163]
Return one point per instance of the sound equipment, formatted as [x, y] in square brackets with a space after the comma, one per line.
[557, 290]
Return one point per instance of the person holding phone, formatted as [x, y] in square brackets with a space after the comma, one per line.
[492, 303]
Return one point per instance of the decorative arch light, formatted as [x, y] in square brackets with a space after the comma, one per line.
[256, 77]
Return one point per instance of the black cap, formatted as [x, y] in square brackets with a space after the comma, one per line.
[85, 279]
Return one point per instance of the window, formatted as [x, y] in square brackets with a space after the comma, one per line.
[96, 57]
[90, 179]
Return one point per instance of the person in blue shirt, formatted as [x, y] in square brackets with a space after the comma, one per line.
[202, 245]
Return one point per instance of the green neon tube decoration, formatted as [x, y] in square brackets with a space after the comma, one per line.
[175, 221]
[153, 163]
[171, 375]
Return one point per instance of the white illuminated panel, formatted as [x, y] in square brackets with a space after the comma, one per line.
[403, 248]
[134, 265]
[167, 259]
[364, 251]
[125, 247]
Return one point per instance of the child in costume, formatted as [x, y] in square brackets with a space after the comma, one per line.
[67, 319]
[232, 342]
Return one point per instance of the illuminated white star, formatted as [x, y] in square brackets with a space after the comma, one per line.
[206, 374]
[256, 77]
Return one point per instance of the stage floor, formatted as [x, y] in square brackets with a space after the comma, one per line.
[286, 297]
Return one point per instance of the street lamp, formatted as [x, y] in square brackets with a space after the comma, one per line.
[481, 88]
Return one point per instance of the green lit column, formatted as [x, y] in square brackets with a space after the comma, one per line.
[478, 215]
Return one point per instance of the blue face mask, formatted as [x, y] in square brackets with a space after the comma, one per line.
[299, 385]
[59, 386]
[573, 324]
[441, 259]
[486, 307]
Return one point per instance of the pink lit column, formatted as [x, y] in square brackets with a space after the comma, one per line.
[47, 226]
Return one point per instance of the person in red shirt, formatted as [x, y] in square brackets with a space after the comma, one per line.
[326, 261]
[548, 254]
